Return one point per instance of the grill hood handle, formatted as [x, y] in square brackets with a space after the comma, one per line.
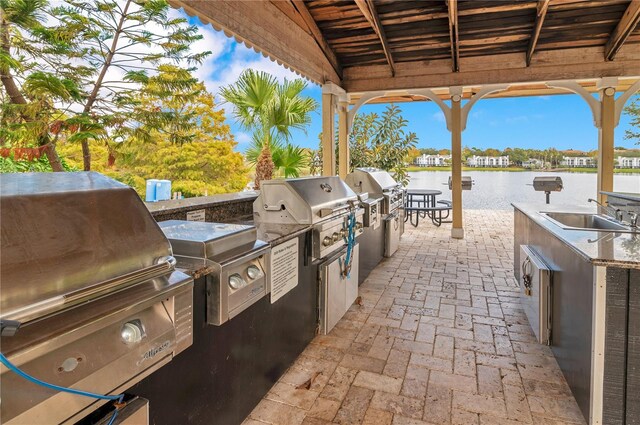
[8, 327]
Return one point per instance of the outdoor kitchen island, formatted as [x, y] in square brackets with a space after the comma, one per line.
[579, 274]
[239, 355]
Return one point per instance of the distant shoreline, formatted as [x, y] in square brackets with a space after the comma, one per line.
[520, 169]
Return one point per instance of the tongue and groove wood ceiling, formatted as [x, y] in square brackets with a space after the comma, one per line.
[420, 30]
[395, 44]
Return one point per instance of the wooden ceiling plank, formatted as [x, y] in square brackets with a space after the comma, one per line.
[624, 28]
[541, 13]
[452, 6]
[317, 35]
[369, 11]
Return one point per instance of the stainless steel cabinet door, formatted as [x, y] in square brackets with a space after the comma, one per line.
[392, 228]
[337, 291]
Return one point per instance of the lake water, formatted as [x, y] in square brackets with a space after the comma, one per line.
[497, 189]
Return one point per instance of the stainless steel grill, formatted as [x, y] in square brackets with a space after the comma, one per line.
[378, 183]
[325, 203]
[231, 256]
[465, 181]
[89, 277]
[547, 184]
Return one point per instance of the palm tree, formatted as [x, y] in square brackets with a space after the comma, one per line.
[271, 110]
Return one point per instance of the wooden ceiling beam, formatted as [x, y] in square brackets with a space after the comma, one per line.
[624, 28]
[368, 9]
[317, 35]
[452, 6]
[541, 13]
[565, 64]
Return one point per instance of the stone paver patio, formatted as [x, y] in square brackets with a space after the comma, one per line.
[440, 338]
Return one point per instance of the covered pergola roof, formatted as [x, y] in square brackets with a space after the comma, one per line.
[372, 45]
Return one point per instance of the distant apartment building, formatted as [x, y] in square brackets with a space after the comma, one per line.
[533, 163]
[488, 161]
[628, 162]
[433, 160]
[578, 161]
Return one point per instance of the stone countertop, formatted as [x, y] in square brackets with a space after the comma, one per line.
[277, 233]
[200, 201]
[624, 195]
[601, 248]
[274, 233]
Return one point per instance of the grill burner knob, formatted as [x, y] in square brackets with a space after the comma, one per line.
[131, 333]
[343, 233]
[327, 241]
[336, 236]
[235, 281]
[358, 226]
[253, 272]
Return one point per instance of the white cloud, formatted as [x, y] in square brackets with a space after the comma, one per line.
[438, 116]
[242, 137]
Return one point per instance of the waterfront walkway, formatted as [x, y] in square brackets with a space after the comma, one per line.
[439, 338]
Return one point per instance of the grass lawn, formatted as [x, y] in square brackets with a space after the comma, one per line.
[568, 170]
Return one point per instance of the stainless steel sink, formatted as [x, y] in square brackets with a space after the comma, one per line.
[586, 221]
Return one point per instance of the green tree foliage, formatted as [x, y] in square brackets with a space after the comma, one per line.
[288, 160]
[58, 78]
[271, 111]
[381, 142]
[633, 110]
[194, 151]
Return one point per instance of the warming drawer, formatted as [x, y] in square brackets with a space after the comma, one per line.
[536, 280]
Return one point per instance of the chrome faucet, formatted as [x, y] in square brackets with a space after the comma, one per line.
[615, 212]
[633, 219]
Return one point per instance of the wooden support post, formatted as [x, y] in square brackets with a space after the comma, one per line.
[328, 135]
[605, 142]
[343, 137]
[457, 230]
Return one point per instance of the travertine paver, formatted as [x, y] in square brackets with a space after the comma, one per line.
[440, 338]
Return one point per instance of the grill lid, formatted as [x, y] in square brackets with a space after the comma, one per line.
[302, 201]
[69, 237]
[372, 180]
[206, 240]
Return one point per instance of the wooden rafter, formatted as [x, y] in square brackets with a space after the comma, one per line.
[452, 6]
[624, 28]
[317, 35]
[541, 13]
[369, 11]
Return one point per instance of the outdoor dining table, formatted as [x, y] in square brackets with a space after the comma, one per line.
[421, 203]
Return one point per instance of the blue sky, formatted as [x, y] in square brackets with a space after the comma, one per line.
[562, 121]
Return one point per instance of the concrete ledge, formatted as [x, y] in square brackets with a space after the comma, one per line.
[223, 207]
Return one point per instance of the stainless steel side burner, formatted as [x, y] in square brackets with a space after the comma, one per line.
[231, 256]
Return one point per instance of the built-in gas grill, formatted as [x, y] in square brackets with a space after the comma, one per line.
[323, 202]
[332, 209]
[379, 183]
[231, 256]
[90, 299]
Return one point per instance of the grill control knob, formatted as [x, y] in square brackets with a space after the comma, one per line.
[253, 272]
[358, 226]
[327, 241]
[336, 236]
[131, 333]
[235, 281]
[343, 233]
